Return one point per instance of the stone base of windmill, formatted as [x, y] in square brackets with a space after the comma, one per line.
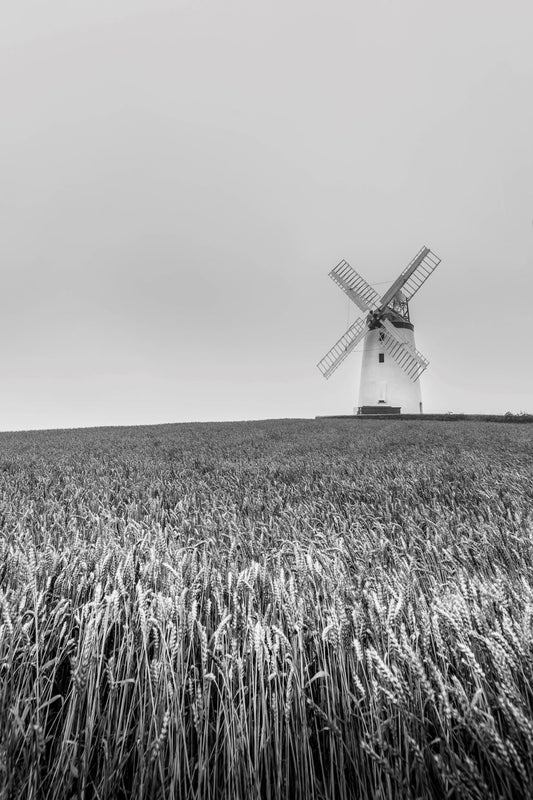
[379, 409]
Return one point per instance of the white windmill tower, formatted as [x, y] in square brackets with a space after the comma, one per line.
[391, 365]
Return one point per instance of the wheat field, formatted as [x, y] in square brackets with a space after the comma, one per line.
[284, 609]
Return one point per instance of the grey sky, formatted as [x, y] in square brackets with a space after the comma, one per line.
[179, 177]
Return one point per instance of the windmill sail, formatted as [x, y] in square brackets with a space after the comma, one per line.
[414, 275]
[406, 356]
[420, 275]
[357, 289]
[343, 347]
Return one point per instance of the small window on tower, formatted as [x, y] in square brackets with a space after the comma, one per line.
[381, 336]
[381, 358]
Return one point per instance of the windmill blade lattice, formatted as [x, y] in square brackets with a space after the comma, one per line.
[343, 347]
[413, 276]
[357, 289]
[407, 357]
[420, 275]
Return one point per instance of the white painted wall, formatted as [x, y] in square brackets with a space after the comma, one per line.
[387, 381]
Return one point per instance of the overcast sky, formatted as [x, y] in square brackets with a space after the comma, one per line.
[178, 178]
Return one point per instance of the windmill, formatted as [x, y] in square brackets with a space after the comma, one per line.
[391, 365]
